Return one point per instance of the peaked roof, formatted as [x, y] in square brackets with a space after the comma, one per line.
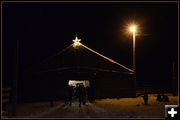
[77, 55]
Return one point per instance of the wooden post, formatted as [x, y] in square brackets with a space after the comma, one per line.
[16, 72]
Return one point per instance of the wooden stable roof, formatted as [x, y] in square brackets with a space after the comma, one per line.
[82, 57]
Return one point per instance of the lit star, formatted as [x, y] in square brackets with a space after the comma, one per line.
[76, 42]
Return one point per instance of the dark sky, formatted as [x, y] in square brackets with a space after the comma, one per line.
[43, 29]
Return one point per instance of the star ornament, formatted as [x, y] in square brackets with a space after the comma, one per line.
[76, 42]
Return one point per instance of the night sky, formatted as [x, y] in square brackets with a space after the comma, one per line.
[43, 29]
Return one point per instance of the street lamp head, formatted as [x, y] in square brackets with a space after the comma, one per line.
[133, 28]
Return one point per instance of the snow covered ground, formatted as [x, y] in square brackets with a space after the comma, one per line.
[104, 108]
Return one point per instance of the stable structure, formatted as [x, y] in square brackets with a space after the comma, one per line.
[107, 78]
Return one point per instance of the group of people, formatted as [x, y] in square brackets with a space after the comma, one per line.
[160, 98]
[79, 92]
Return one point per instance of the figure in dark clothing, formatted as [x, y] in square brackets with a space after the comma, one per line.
[80, 94]
[84, 93]
[159, 98]
[145, 97]
[70, 93]
[165, 98]
[90, 93]
[66, 96]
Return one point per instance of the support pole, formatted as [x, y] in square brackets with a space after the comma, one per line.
[134, 59]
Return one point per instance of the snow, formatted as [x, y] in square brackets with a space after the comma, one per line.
[135, 108]
[103, 108]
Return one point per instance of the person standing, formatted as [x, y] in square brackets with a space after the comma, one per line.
[84, 93]
[70, 93]
[145, 97]
[80, 94]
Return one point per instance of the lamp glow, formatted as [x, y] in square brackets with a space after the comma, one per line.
[133, 28]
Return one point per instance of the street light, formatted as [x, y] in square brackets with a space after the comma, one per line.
[133, 30]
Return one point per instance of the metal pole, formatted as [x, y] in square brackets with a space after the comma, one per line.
[134, 60]
[134, 56]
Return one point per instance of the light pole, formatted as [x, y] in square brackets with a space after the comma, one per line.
[133, 29]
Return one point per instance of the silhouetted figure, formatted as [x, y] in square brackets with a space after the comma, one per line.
[66, 96]
[90, 94]
[159, 98]
[145, 97]
[70, 93]
[80, 93]
[84, 93]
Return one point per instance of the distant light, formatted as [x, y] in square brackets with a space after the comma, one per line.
[86, 83]
[76, 42]
[133, 28]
